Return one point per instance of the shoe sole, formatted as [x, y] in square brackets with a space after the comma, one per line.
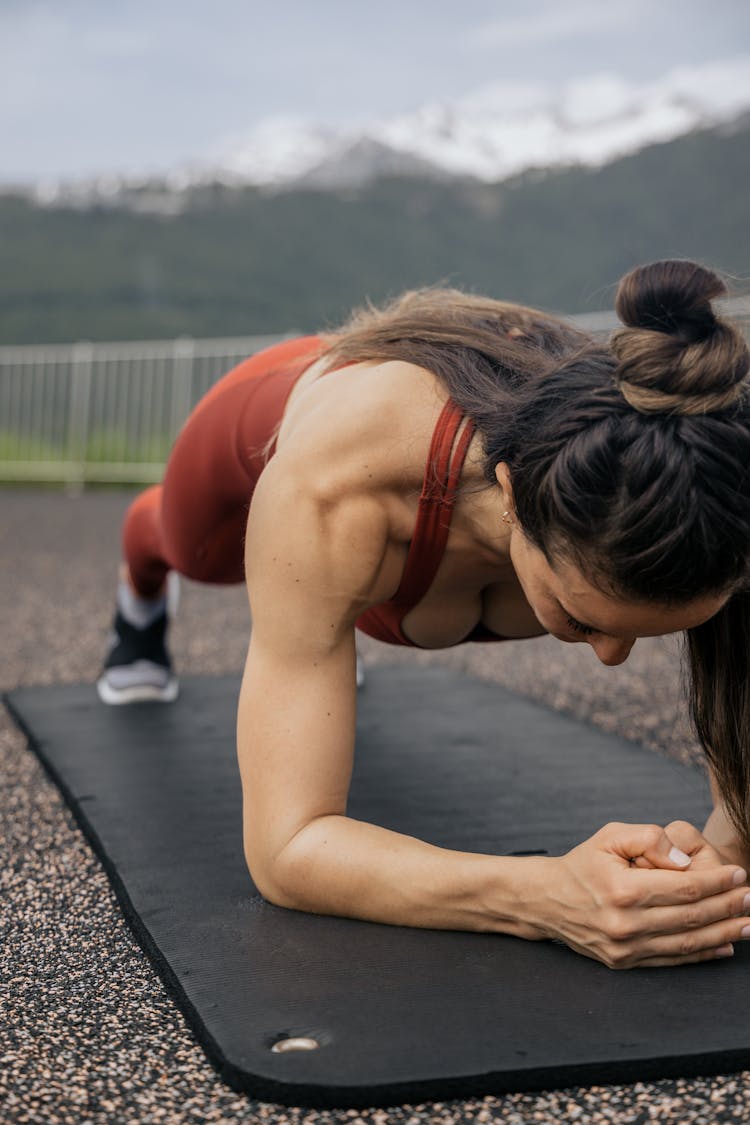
[145, 693]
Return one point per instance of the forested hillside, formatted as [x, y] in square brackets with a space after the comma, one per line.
[245, 261]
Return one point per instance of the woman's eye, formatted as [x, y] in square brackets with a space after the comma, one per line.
[577, 627]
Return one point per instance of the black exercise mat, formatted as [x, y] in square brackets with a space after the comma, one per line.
[401, 1015]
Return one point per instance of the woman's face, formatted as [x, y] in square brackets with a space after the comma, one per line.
[574, 611]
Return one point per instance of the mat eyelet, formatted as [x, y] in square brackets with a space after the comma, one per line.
[298, 1043]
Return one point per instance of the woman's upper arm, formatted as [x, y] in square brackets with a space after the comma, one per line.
[312, 561]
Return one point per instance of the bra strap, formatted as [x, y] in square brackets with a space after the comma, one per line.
[436, 502]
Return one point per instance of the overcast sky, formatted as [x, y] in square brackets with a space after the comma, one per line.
[90, 86]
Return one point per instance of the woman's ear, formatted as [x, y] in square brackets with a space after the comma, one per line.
[502, 473]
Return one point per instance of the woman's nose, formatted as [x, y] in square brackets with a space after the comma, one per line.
[611, 650]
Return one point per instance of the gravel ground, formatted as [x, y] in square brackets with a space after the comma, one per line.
[89, 1034]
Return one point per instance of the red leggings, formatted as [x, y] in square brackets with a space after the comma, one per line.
[194, 522]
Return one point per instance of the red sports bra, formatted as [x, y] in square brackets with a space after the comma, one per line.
[434, 513]
[438, 496]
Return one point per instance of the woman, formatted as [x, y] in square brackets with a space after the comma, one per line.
[449, 469]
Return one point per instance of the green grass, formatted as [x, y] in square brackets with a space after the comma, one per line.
[103, 446]
[114, 445]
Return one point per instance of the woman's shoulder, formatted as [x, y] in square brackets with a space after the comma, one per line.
[395, 384]
[370, 421]
[340, 490]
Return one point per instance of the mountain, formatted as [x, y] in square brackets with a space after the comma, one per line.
[503, 129]
[245, 260]
[498, 131]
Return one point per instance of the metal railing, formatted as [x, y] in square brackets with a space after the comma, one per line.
[86, 412]
[81, 413]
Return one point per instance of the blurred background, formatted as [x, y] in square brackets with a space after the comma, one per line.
[210, 177]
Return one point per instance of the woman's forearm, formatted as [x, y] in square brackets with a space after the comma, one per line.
[336, 865]
[591, 898]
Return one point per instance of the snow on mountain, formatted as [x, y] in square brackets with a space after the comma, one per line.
[277, 150]
[505, 127]
[490, 134]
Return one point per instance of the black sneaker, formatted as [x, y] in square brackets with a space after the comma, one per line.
[138, 666]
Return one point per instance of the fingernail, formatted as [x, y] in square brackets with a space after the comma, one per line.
[746, 904]
[745, 931]
[740, 876]
[724, 951]
[679, 857]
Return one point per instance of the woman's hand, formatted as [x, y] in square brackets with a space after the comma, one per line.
[685, 836]
[608, 901]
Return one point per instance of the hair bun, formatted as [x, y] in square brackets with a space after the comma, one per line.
[670, 296]
[675, 356]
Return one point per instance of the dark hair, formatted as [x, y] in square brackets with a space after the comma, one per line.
[631, 459]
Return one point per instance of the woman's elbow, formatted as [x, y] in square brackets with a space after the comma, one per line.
[269, 881]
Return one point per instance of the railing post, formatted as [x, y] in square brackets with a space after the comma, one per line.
[80, 409]
[182, 382]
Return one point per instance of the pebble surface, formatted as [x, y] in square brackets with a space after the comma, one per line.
[89, 1035]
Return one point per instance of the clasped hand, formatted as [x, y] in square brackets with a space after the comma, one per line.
[626, 897]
